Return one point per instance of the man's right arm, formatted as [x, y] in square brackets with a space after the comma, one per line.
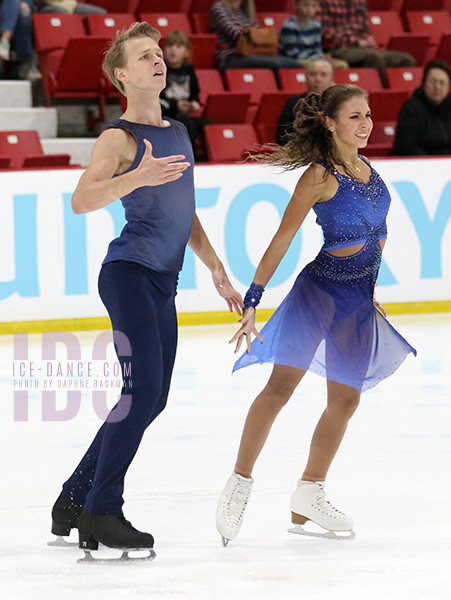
[96, 187]
[115, 150]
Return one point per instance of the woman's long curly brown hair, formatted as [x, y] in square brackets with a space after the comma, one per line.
[311, 139]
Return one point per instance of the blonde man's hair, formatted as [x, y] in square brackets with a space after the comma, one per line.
[115, 56]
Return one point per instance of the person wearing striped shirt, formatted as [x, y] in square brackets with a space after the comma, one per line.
[300, 35]
[227, 19]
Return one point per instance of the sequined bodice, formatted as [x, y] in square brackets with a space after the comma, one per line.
[356, 213]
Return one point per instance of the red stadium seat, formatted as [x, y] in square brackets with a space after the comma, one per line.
[272, 19]
[227, 107]
[293, 80]
[381, 139]
[385, 24]
[267, 115]
[210, 82]
[108, 25]
[386, 104]
[415, 44]
[433, 23]
[377, 150]
[228, 143]
[166, 22]
[5, 162]
[24, 150]
[404, 78]
[203, 50]
[414, 5]
[383, 132]
[255, 81]
[77, 72]
[366, 78]
[201, 22]
[444, 47]
[70, 60]
[155, 6]
[383, 4]
[198, 6]
[275, 6]
[52, 31]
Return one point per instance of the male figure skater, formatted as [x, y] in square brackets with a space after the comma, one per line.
[147, 161]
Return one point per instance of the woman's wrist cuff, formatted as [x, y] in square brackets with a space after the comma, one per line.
[253, 295]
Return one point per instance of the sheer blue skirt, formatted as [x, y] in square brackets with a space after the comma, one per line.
[328, 324]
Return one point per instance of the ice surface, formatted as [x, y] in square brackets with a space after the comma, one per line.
[391, 475]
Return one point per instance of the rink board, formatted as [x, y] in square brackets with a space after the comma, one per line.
[52, 257]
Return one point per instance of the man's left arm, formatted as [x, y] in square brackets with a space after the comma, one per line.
[200, 245]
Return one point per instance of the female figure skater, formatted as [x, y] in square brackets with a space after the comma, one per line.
[147, 161]
[330, 322]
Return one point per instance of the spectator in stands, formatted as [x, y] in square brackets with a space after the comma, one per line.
[319, 75]
[424, 122]
[300, 35]
[16, 23]
[227, 19]
[69, 6]
[180, 97]
[347, 35]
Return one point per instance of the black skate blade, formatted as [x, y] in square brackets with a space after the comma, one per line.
[327, 534]
[60, 542]
[124, 558]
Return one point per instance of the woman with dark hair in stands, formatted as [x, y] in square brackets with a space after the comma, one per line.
[227, 19]
[424, 122]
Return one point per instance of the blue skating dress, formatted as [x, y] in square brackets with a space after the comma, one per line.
[328, 324]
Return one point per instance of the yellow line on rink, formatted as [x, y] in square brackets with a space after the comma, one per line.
[200, 318]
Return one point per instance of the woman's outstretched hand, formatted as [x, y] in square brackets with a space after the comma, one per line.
[246, 330]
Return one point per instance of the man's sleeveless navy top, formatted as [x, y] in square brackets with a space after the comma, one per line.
[356, 213]
[159, 218]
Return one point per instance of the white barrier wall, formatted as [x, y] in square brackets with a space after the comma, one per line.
[51, 257]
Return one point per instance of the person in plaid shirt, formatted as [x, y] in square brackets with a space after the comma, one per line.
[347, 35]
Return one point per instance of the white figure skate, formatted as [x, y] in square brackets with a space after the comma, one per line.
[231, 506]
[308, 503]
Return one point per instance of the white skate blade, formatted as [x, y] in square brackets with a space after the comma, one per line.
[225, 541]
[328, 534]
[124, 558]
[60, 542]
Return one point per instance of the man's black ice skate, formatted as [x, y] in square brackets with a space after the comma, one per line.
[65, 515]
[113, 531]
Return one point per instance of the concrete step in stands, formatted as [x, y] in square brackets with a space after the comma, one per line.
[17, 112]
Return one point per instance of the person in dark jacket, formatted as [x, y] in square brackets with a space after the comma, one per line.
[424, 122]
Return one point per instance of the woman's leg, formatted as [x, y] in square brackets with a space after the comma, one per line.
[23, 33]
[261, 416]
[342, 402]
[235, 496]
